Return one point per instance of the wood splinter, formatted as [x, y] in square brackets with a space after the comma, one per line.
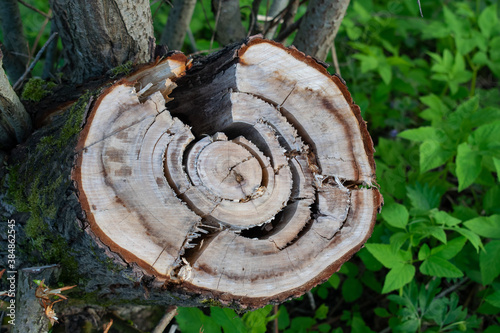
[253, 184]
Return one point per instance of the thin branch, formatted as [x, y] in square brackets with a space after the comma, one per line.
[288, 31]
[216, 22]
[420, 7]
[253, 21]
[35, 9]
[335, 59]
[38, 55]
[40, 33]
[452, 288]
[165, 320]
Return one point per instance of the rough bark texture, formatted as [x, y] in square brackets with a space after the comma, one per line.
[13, 39]
[100, 35]
[15, 123]
[177, 24]
[228, 27]
[319, 27]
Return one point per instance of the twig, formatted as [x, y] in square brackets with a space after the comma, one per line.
[40, 33]
[288, 31]
[167, 318]
[452, 288]
[206, 16]
[192, 40]
[35, 9]
[253, 19]
[275, 312]
[335, 59]
[215, 27]
[38, 55]
[311, 300]
[420, 7]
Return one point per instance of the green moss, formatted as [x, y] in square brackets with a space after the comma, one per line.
[211, 302]
[123, 69]
[36, 186]
[36, 89]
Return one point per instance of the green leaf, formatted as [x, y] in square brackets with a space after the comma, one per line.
[321, 312]
[432, 155]
[422, 134]
[485, 226]
[352, 289]
[395, 215]
[472, 237]
[334, 281]
[463, 113]
[496, 162]
[398, 276]
[488, 20]
[445, 218]
[424, 252]
[193, 320]
[382, 312]
[450, 249]
[283, 318]
[386, 256]
[368, 260]
[385, 71]
[488, 262]
[228, 319]
[436, 266]
[256, 321]
[486, 137]
[302, 324]
[423, 197]
[468, 166]
[494, 299]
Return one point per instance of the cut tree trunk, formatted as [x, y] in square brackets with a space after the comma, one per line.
[252, 186]
[243, 178]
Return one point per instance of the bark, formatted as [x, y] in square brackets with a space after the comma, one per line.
[319, 27]
[178, 24]
[253, 185]
[15, 123]
[15, 44]
[100, 35]
[228, 28]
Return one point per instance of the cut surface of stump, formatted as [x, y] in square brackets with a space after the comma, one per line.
[253, 185]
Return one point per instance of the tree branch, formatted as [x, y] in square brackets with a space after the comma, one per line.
[14, 40]
[15, 123]
[177, 24]
[319, 27]
[229, 27]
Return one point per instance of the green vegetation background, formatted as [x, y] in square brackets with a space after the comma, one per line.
[428, 88]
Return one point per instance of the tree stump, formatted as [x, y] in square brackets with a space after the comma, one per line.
[252, 185]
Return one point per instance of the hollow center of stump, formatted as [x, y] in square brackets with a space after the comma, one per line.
[229, 171]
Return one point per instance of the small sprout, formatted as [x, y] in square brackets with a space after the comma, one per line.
[43, 293]
[106, 327]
